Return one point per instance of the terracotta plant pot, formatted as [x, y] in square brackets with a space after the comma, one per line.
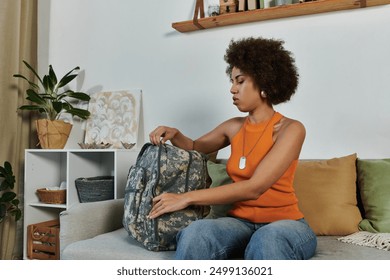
[53, 134]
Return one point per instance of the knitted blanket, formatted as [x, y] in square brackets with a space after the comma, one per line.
[369, 239]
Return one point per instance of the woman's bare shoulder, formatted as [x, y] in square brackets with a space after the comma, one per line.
[233, 125]
[288, 125]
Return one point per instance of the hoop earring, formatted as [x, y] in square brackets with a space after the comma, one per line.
[263, 94]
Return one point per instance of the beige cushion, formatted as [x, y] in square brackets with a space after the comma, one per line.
[326, 191]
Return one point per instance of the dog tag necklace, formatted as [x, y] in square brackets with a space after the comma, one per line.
[242, 162]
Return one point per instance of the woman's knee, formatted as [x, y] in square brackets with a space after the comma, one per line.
[212, 239]
[286, 239]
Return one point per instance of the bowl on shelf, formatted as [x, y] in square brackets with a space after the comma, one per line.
[95, 145]
[128, 145]
[51, 196]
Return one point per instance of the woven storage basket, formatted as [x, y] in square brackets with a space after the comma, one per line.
[52, 196]
[95, 188]
[43, 240]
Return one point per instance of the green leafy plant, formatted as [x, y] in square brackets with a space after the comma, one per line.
[9, 203]
[47, 97]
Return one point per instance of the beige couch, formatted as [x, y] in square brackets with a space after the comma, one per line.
[335, 195]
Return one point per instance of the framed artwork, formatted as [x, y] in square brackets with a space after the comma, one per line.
[114, 119]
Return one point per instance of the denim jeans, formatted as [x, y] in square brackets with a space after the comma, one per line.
[228, 237]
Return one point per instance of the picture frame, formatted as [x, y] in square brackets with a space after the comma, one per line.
[115, 118]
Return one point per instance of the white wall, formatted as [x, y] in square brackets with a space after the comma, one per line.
[343, 58]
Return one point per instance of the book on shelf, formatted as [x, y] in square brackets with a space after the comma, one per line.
[262, 4]
[255, 4]
[242, 5]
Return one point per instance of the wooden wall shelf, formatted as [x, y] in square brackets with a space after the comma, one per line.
[292, 10]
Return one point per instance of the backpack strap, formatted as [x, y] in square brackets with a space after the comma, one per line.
[143, 149]
[188, 169]
[160, 147]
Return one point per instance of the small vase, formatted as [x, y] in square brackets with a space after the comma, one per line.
[53, 134]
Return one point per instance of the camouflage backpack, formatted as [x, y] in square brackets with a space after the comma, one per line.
[159, 169]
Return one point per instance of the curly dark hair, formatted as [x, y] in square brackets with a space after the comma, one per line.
[271, 67]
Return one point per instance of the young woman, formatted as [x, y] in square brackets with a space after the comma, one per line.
[265, 221]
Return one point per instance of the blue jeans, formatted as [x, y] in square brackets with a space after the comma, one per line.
[228, 237]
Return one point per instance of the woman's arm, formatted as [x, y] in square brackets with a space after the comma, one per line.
[214, 140]
[287, 147]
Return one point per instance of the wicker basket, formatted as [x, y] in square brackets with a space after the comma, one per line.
[95, 188]
[52, 196]
[43, 240]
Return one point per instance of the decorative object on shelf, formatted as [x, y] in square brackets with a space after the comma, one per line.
[95, 145]
[284, 11]
[228, 6]
[47, 99]
[95, 188]
[213, 10]
[53, 134]
[9, 203]
[128, 145]
[114, 118]
[52, 195]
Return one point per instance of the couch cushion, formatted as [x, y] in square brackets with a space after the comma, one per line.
[118, 245]
[326, 191]
[330, 248]
[374, 186]
[219, 177]
[115, 245]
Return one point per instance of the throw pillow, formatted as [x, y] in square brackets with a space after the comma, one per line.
[219, 177]
[374, 186]
[326, 191]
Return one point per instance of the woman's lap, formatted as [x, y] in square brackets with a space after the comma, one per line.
[228, 237]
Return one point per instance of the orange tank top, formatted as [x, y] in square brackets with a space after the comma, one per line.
[279, 202]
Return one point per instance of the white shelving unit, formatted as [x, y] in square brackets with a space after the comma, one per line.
[48, 168]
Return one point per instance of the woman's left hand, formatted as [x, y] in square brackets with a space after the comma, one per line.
[166, 203]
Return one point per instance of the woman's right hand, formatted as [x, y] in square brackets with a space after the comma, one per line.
[162, 134]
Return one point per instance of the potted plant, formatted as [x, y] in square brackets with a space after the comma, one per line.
[49, 97]
[9, 203]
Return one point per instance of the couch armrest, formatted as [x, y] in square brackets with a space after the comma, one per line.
[87, 220]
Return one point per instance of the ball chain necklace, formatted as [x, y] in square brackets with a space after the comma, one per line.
[242, 162]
